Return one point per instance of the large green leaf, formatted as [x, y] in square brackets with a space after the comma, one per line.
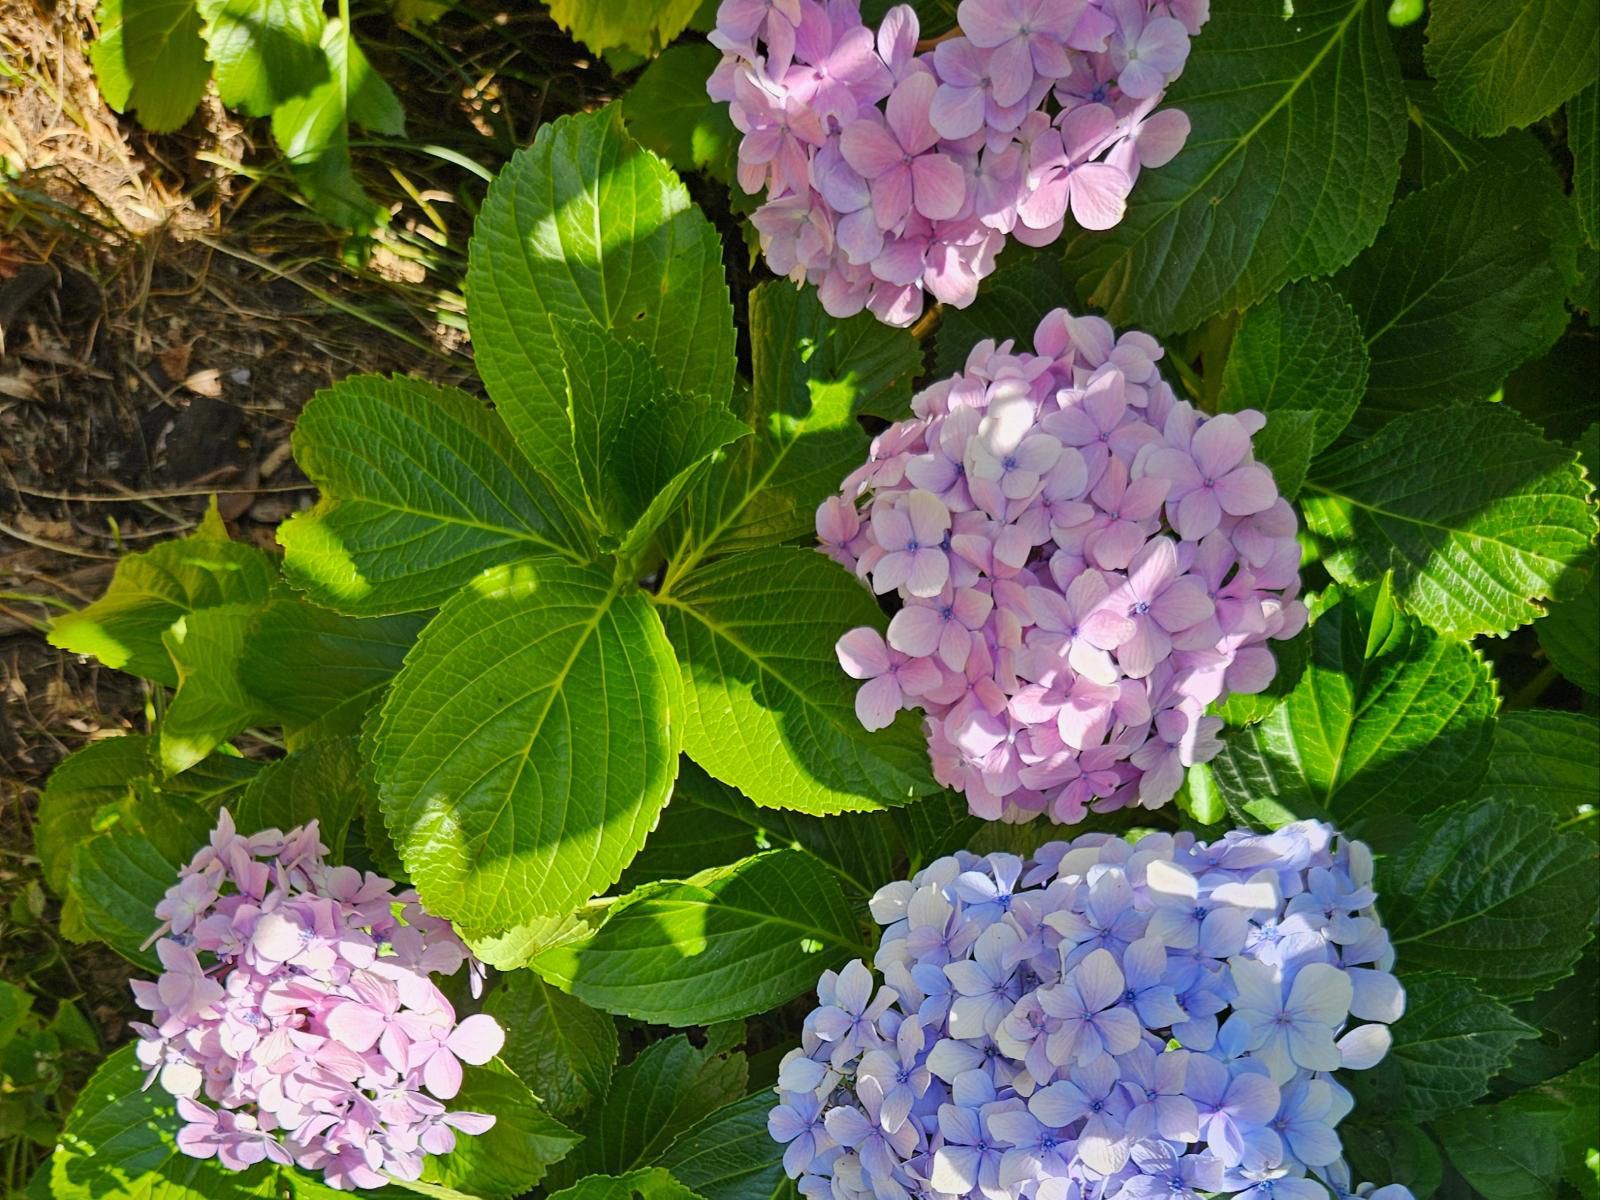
[647, 1183]
[150, 58]
[637, 26]
[149, 592]
[727, 942]
[313, 130]
[1478, 516]
[527, 747]
[769, 709]
[1524, 1147]
[1550, 759]
[1568, 1022]
[1299, 123]
[1466, 281]
[1489, 890]
[638, 443]
[1389, 721]
[652, 1100]
[512, 1156]
[1298, 351]
[709, 824]
[1385, 1151]
[422, 488]
[730, 1155]
[120, 1144]
[100, 774]
[668, 110]
[1583, 138]
[1570, 636]
[1500, 65]
[810, 377]
[325, 782]
[560, 1047]
[211, 704]
[317, 671]
[585, 226]
[265, 51]
[1452, 1040]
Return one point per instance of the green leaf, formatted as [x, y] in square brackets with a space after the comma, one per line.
[1241, 708]
[1452, 1040]
[527, 747]
[119, 1144]
[87, 780]
[654, 1099]
[1390, 1151]
[149, 58]
[709, 824]
[325, 782]
[513, 1155]
[560, 1047]
[1026, 284]
[647, 1183]
[639, 26]
[730, 1155]
[1389, 721]
[728, 942]
[810, 377]
[1522, 1148]
[1300, 350]
[1309, 94]
[1500, 65]
[1435, 149]
[1466, 281]
[149, 592]
[668, 111]
[1583, 138]
[1570, 635]
[265, 51]
[423, 488]
[211, 704]
[1548, 759]
[1285, 448]
[770, 711]
[313, 131]
[1489, 890]
[510, 949]
[119, 877]
[585, 226]
[1478, 516]
[638, 443]
[317, 671]
[1568, 1023]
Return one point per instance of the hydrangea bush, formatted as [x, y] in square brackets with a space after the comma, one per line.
[1158, 1018]
[1085, 563]
[890, 175]
[1288, 527]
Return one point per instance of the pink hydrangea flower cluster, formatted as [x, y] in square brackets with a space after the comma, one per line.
[311, 1022]
[890, 173]
[1084, 563]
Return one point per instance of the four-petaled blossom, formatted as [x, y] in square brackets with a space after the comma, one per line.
[939, 1085]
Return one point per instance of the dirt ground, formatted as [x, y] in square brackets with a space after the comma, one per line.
[167, 305]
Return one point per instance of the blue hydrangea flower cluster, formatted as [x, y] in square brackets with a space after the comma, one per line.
[1150, 1020]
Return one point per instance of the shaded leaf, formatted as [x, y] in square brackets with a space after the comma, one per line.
[422, 489]
[1549, 759]
[527, 747]
[1298, 126]
[150, 58]
[265, 51]
[101, 773]
[770, 711]
[1583, 138]
[560, 1047]
[1500, 65]
[512, 1156]
[730, 1155]
[1452, 1040]
[727, 942]
[1489, 890]
[1479, 517]
[325, 782]
[1568, 1025]
[1025, 285]
[668, 111]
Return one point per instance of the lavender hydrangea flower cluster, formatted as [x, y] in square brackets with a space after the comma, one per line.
[1146, 1021]
[1085, 563]
[890, 173]
[312, 1024]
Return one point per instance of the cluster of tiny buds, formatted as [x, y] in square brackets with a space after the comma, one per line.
[890, 174]
[1156, 1019]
